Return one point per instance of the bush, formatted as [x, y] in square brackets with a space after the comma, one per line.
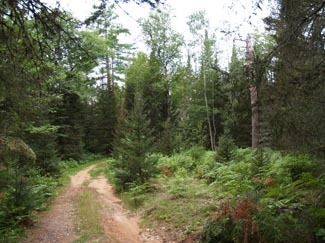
[177, 163]
[136, 195]
[231, 180]
[287, 190]
[66, 164]
[233, 224]
[123, 174]
[10, 235]
[205, 165]
[225, 148]
[25, 193]
[196, 153]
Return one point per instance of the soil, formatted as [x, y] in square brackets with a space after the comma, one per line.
[58, 224]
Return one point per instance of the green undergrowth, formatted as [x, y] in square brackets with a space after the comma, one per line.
[180, 204]
[235, 195]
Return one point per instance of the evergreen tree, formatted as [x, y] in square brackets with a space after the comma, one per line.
[134, 142]
[236, 114]
[102, 123]
[69, 117]
[298, 105]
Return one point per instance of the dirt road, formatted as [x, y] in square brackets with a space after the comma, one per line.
[59, 223]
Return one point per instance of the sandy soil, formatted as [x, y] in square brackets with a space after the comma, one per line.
[120, 226]
[58, 224]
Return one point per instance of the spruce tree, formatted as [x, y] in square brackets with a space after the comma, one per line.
[69, 117]
[134, 142]
[299, 87]
[104, 123]
[236, 114]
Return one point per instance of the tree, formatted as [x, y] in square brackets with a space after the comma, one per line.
[207, 96]
[135, 141]
[253, 91]
[164, 60]
[103, 20]
[136, 78]
[69, 117]
[298, 117]
[237, 110]
[101, 125]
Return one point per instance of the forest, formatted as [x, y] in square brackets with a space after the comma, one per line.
[209, 153]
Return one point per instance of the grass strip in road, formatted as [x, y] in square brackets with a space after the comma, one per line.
[98, 170]
[89, 227]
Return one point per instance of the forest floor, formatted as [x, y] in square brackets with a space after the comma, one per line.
[72, 216]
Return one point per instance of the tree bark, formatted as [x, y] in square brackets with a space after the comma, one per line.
[255, 123]
[213, 146]
[108, 74]
[253, 92]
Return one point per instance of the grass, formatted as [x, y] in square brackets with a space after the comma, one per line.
[89, 213]
[179, 204]
[98, 170]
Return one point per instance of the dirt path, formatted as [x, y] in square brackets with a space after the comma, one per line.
[58, 225]
[119, 225]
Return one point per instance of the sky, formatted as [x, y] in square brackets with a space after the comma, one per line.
[239, 16]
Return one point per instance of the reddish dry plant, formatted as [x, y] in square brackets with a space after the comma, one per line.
[268, 181]
[167, 172]
[241, 212]
[244, 209]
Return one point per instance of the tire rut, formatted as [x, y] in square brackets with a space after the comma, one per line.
[58, 224]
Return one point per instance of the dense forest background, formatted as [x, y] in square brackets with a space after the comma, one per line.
[70, 89]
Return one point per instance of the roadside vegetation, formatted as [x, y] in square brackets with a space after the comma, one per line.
[233, 195]
[27, 192]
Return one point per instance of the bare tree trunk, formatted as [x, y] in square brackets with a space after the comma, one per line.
[253, 92]
[213, 147]
[213, 118]
[255, 123]
[112, 72]
[108, 74]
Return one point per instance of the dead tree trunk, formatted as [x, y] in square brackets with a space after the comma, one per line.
[253, 91]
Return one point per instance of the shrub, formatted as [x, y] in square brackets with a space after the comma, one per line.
[205, 165]
[225, 148]
[232, 180]
[177, 163]
[233, 224]
[287, 193]
[124, 174]
[136, 195]
[196, 152]
[26, 192]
